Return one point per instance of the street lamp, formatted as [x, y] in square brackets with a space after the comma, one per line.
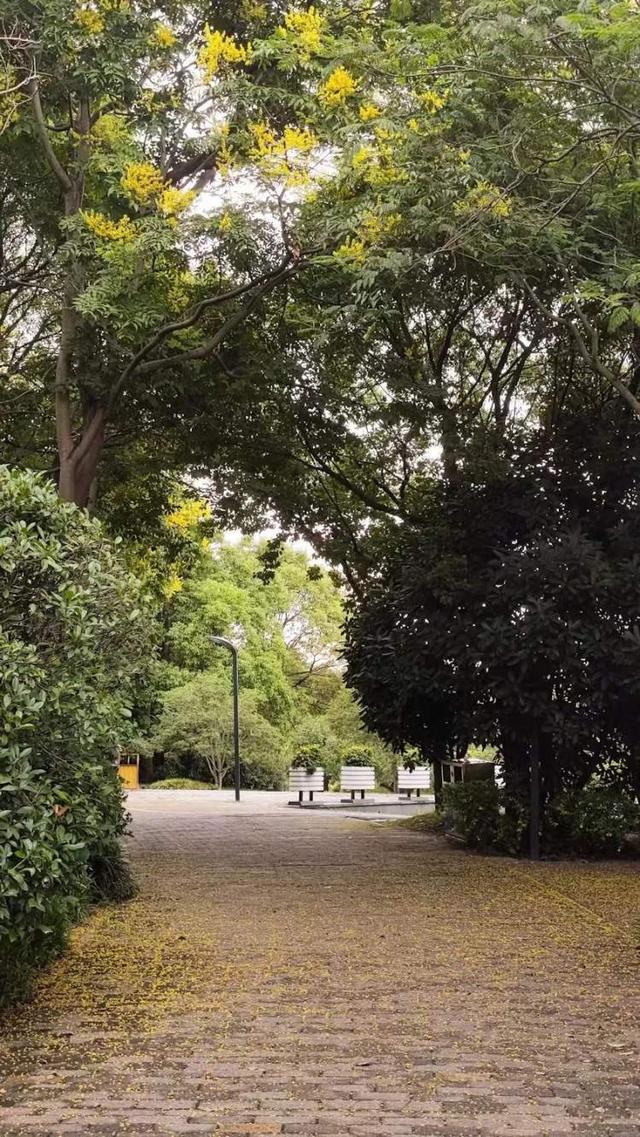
[224, 642]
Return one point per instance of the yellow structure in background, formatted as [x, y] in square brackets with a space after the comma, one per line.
[129, 771]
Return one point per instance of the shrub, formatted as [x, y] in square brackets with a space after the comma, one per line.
[594, 821]
[357, 756]
[472, 812]
[307, 758]
[73, 650]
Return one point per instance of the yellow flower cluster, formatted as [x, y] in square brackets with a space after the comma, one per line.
[338, 87]
[225, 155]
[484, 198]
[146, 185]
[363, 156]
[284, 157]
[189, 515]
[219, 48]
[372, 231]
[300, 140]
[264, 139]
[306, 27]
[163, 36]
[374, 228]
[172, 585]
[172, 202]
[376, 164]
[353, 249]
[369, 111]
[89, 20]
[142, 181]
[432, 101]
[225, 224]
[110, 131]
[456, 155]
[108, 230]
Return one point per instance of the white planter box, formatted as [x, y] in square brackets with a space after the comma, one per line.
[417, 779]
[357, 778]
[300, 782]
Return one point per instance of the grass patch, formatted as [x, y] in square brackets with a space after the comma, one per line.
[422, 823]
[180, 784]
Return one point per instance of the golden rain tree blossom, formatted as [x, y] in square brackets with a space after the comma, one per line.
[339, 87]
[304, 27]
[283, 157]
[484, 198]
[164, 36]
[142, 181]
[90, 21]
[172, 201]
[108, 230]
[219, 48]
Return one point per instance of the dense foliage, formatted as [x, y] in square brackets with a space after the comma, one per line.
[372, 268]
[510, 616]
[595, 821]
[286, 617]
[74, 646]
[307, 758]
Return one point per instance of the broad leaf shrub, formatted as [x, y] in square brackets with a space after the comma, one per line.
[307, 758]
[472, 812]
[357, 756]
[74, 647]
[593, 821]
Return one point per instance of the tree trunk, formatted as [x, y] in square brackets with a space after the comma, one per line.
[79, 461]
[77, 455]
[437, 783]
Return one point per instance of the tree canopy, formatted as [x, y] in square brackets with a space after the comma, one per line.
[287, 623]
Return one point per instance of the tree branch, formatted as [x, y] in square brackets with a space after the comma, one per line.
[52, 158]
[271, 279]
[591, 356]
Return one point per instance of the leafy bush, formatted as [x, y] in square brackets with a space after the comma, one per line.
[307, 758]
[472, 812]
[73, 651]
[594, 821]
[357, 756]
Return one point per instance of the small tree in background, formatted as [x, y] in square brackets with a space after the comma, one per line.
[196, 726]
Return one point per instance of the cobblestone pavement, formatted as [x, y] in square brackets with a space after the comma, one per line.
[289, 972]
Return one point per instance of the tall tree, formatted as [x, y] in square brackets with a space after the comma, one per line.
[116, 124]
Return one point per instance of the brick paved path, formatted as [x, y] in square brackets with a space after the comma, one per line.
[289, 972]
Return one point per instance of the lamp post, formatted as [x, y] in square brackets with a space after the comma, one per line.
[224, 642]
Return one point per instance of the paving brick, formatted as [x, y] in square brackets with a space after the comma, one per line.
[288, 972]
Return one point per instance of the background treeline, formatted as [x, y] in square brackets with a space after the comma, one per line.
[285, 613]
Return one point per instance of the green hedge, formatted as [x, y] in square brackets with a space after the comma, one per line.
[593, 821]
[74, 648]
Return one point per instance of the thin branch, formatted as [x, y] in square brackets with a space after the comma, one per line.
[57, 167]
[272, 277]
[590, 356]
